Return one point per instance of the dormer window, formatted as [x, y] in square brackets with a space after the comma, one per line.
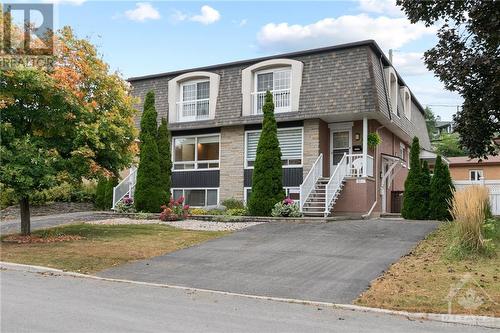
[405, 95]
[276, 81]
[282, 77]
[194, 101]
[392, 87]
[192, 97]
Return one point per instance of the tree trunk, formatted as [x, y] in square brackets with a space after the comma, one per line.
[25, 216]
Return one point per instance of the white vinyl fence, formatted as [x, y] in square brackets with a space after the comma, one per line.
[492, 185]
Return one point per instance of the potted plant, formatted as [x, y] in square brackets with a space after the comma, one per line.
[373, 140]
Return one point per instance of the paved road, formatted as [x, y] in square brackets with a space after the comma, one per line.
[40, 222]
[33, 302]
[331, 262]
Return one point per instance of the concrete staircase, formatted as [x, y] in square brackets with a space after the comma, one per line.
[315, 203]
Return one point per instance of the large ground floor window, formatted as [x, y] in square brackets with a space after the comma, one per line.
[291, 192]
[196, 152]
[290, 140]
[197, 197]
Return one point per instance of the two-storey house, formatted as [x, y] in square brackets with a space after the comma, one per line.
[327, 102]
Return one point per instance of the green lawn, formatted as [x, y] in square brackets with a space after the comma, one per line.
[103, 246]
[421, 281]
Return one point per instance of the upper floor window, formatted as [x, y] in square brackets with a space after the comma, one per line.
[282, 77]
[290, 140]
[402, 151]
[194, 102]
[405, 95]
[196, 152]
[278, 83]
[192, 96]
[475, 175]
[392, 86]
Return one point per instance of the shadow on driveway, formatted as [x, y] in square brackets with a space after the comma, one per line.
[331, 262]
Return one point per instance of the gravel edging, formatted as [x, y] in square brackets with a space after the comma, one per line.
[184, 224]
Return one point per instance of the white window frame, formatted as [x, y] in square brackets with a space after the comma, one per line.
[286, 188]
[405, 92]
[195, 162]
[478, 172]
[402, 150]
[392, 92]
[267, 71]
[181, 101]
[183, 189]
[245, 164]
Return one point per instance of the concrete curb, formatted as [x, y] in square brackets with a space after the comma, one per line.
[481, 321]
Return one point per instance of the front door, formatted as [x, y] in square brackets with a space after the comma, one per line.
[340, 144]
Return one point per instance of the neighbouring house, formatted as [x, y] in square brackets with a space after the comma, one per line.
[465, 171]
[443, 127]
[327, 101]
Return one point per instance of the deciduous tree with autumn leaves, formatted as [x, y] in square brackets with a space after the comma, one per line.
[71, 122]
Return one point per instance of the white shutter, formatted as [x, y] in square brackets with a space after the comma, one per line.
[290, 143]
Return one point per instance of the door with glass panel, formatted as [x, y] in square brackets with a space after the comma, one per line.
[340, 145]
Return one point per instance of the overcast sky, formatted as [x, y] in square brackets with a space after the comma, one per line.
[139, 38]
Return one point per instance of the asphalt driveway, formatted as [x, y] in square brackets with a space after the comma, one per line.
[331, 262]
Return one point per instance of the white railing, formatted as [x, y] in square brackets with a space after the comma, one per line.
[125, 187]
[193, 110]
[355, 165]
[281, 99]
[335, 182]
[310, 181]
[369, 166]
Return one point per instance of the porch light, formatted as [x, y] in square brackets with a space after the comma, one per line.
[357, 136]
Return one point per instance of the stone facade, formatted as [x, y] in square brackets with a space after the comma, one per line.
[311, 149]
[232, 151]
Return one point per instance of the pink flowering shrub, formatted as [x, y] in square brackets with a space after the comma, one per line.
[126, 205]
[176, 210]
[286, 208]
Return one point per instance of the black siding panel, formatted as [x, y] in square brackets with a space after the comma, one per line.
[207, 178]
[283, 124]
[214, 130]
[292, 177]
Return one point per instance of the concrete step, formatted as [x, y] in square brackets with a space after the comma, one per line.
[313, 214]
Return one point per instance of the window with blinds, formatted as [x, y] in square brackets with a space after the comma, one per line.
[290, 140]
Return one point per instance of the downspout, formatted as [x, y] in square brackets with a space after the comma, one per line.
[376, 178]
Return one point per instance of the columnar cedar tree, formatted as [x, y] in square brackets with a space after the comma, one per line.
[148, 190]
[267, 188]
[426, 184]
[165, 155]
[441, 192]
[148, 119]
[414, 202]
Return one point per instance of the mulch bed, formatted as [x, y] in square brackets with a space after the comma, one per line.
[33, 239]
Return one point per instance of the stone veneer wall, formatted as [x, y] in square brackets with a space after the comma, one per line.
[311, 148]
[232, 148]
